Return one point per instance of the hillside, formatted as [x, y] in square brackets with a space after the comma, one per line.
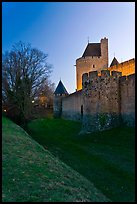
[105, 158]
[31, 173]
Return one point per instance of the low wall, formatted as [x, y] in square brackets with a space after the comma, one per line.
[57, 106]
[71, 106]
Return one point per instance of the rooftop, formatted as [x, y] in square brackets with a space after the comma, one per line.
[114, 62]
[92, 49]
[60, 89]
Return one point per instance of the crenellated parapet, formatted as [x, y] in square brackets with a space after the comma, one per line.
[108, 98]
[127, 67]
[95, 76]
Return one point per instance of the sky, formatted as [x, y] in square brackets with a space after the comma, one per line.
[62, 30]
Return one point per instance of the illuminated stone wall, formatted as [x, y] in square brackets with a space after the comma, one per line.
[92, 63]
[127, 67]
[105, 101]
[108, 100]
[85, 65]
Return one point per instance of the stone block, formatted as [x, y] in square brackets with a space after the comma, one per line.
[116, 74]
[93, 75]
[105, 73]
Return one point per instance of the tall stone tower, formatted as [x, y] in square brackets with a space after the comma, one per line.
[59, 93]
[94, 58]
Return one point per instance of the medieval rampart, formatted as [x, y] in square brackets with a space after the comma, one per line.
[72, 106]
[88, 64]
[105, 101]
[127, 99]
[127, 67]
[108, 100]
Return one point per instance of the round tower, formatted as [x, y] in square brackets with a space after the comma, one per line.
[59, 93]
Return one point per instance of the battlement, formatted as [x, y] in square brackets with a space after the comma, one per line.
[127, 79]
[126, 63]
[96, 76]
[105, 74]
[110, 95]
[127, 67]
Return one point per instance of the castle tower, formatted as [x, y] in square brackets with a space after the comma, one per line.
[59, 93]
[94, 58]
[114, 62]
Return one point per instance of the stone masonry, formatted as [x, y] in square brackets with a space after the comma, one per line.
[108, 100]
[92, 63]
[105, 96]
[105, 101]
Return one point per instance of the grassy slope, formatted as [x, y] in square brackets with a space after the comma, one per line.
[31, 173]
[105, 158]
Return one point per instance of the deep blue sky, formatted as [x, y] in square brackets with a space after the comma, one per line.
[61, 29]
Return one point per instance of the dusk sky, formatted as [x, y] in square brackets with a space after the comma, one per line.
[61, 29]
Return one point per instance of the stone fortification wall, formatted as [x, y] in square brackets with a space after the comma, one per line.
[127, 93]
[107, 99]
[85, 65]
[72, 106]
[57, 106]
[127, 67]
[101, 100]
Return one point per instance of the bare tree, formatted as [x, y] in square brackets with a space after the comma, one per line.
[45, 94]
[24, 71]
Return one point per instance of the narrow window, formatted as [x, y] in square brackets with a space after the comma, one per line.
[93, 66]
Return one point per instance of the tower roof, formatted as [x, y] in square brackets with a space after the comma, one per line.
[114, 62]
[61, 89]
[92, 49]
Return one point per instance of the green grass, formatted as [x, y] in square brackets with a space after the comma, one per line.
[32, 174]
[105, 158]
